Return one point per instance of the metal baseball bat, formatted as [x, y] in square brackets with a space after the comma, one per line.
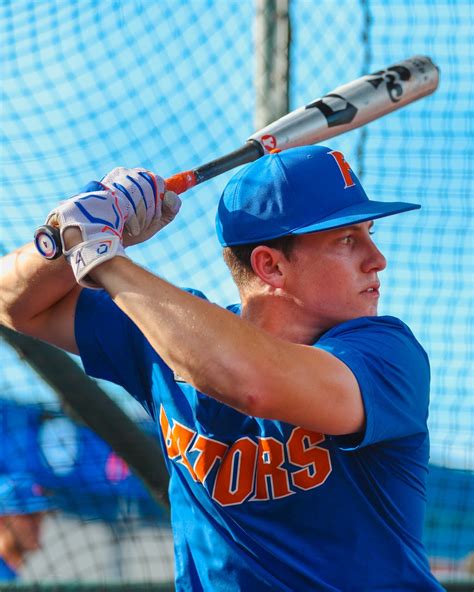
[347, 107]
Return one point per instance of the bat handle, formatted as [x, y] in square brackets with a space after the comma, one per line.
[47, 238]
[249, 152]
[181, 182]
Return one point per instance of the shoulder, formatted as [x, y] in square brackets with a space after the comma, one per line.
[392, 370]
[381, 335]
[375, 325]
[382, 348]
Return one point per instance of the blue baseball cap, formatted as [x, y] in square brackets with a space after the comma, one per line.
[298, 191]
[20, 494]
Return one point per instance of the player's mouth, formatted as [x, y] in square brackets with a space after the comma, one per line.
[373, 290]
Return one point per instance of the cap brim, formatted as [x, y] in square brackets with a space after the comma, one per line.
[355, 214]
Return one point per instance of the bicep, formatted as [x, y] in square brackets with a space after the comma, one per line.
[55, 325]
[317, 391]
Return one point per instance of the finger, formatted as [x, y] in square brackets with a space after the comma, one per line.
[157, 183]
[171, 202]
[133, 226]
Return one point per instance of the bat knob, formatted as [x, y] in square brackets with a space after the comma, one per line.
[48, 242]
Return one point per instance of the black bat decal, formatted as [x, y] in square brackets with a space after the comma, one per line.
[393, 77]
[334, 117]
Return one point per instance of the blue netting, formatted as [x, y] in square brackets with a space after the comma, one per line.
[88, 85]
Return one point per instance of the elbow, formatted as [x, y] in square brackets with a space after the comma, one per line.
[257, 405]
[8, 317]
[13, 316]
[255, 397]
[254, 390]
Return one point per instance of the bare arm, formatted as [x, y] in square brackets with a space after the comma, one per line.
[38, 297]
[232, 360]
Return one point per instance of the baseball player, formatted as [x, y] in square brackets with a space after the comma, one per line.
[23, 507]
[294, 422]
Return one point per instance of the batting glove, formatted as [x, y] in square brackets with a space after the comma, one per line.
[151, 208]
[127, 206]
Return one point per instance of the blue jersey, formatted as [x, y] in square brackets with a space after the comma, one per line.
[7, 574]
[266, 506]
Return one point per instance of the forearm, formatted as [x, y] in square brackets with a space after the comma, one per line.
[196, 338]
[30, 285]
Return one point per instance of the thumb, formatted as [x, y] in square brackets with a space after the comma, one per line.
[171, 203]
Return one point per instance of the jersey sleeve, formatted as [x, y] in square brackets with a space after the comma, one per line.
[111, 346]
[393, 374]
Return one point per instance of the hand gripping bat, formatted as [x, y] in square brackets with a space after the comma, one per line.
[347, 107]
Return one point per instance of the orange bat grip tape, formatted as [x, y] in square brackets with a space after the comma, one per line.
[181, 182]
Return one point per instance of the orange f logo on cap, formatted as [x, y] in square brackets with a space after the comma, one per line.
[344, 168]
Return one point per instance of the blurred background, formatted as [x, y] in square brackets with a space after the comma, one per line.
[88, 85]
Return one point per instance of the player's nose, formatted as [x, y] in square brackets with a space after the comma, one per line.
[374, 259]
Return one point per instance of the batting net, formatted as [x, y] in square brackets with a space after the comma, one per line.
[89, 85]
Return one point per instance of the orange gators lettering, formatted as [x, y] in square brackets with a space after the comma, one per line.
[247, 471]
[210, 451]
[304, 452]
[344, 168]
[236, 475]
[170, 443]
[177, 441]
[270, 457]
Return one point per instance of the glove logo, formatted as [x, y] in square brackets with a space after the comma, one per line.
[79, 260]
[102, 249]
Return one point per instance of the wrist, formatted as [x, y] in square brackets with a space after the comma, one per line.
[72, 237]
[90, 254]
[103, 273]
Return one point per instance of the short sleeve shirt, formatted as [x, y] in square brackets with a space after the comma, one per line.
[264, 505]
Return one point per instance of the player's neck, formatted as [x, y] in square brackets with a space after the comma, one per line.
[281, 317]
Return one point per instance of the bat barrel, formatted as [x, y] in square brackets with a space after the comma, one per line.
[352, 105]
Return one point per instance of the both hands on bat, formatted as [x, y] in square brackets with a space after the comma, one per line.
[127, 207]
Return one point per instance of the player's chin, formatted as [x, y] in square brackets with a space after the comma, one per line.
[370, 304]
[371, 311]
[365, 311]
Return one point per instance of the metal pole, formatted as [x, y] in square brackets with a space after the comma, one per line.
[272, 48]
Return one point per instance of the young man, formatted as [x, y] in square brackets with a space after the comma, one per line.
[294, 424]
[22, 510]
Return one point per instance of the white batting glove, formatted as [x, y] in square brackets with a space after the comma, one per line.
[127, 203]
[152, 208]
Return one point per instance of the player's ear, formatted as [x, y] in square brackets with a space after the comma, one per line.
[266, 264]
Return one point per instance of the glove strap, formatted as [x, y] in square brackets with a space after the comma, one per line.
[87, 255]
